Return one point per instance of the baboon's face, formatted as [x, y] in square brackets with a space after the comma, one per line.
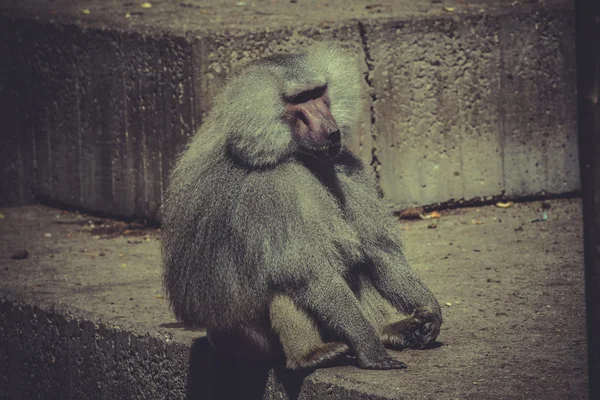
[313, 127]
[289, 105]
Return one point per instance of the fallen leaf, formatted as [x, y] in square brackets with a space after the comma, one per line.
[411, 213]
[449, 9]
[146, 4]
[86, 11]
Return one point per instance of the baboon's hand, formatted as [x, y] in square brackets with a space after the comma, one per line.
[428, 330]
[414, 332]
[380, 361]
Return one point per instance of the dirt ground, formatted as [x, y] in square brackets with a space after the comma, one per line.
[511, 291]
[234, 16]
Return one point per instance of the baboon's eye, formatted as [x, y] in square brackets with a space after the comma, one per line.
[307, 95]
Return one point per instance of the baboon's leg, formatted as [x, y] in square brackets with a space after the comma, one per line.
[396, 330]
[247, 342]
[300, 338]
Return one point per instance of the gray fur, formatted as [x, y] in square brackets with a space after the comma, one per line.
[246, 218]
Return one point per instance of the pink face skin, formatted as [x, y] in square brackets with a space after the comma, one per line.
[314, 129]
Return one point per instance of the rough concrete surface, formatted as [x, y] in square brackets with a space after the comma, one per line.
[461, 98]
[84, 317]
[475, 106]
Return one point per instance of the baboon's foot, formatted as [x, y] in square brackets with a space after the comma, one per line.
[324, 355]
[413, 332]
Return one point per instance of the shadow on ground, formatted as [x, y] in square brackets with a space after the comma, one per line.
[213, 375]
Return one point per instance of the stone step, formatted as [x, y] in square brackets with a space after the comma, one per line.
[464, 100]
[84, 316]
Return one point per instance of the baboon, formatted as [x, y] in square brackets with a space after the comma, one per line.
[274, 236]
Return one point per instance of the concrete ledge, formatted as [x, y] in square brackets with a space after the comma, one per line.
[48, 353]
[83, 316]
[479, 101]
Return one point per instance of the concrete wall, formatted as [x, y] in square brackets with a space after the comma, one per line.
[475, 106]
[97, 115]
[588, 58]
[455, 107]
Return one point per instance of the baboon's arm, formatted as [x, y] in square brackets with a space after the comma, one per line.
[397, 282]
